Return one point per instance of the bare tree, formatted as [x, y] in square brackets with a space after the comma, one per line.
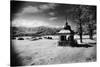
[84, 14]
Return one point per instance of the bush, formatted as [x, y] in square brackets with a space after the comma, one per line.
[20, 38]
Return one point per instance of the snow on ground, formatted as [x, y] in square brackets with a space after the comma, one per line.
[46, 51]
[86, 39]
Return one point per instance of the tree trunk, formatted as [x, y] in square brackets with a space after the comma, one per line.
[80, 32]
[90, 31]
[91, 35]
[80, 23]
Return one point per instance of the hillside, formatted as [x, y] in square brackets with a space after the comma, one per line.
[33, 30]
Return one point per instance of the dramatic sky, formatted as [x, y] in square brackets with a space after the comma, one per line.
[33, 14]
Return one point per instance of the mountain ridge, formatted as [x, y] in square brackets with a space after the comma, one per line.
[41, 30]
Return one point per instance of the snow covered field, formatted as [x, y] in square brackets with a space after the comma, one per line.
[47, 51]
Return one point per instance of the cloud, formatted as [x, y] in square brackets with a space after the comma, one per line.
[38, 8]
[28, 23]
[53, 18]
[51, 13]
[30, 9]
[47, 6]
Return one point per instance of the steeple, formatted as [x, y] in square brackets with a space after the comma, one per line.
[67, 27]
[66, 20]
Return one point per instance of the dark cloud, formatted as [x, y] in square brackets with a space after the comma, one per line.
[15, 7]
[54, 14]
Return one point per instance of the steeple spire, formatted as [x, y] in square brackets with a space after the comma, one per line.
[66, 20]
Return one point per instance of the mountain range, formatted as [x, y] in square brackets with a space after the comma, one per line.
[41, 30]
